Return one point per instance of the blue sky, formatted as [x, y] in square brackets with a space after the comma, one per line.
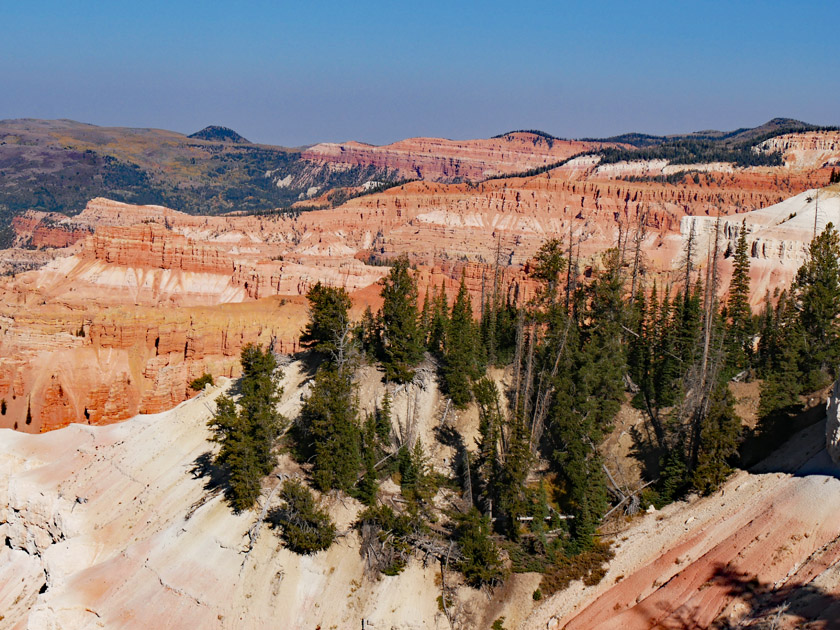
[298, 73]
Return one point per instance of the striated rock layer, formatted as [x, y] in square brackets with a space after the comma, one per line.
[436, 159]
[764, 551]
[143, 267]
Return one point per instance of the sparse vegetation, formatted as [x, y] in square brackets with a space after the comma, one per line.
[246, 429]
[201, 382]
[305, 527]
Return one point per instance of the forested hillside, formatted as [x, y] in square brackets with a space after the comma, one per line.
[533, 490]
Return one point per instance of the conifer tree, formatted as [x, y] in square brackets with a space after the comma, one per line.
[368, 333]
[246, 433]
[481, 563]
[329, 428]
[305, 527]
[402, 346]
[368, 485]
[817, 298]
[383, 419]
[438, 323]
[328, 317]
[719, 439]
[740, 330]
[783, 378]
[462, 361]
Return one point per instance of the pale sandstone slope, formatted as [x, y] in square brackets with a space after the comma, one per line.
[115, 526]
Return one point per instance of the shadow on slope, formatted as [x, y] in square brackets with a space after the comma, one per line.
[802, 606]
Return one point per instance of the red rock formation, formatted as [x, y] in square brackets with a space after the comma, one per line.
[442, 160]
[133, 260]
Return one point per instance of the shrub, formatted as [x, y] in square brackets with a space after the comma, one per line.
[589, 566]
[384, 532]
[305, 527]
[199, 383]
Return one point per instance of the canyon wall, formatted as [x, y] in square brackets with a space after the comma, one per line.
[151, 289]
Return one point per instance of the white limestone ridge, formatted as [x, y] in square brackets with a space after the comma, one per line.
[781, 232]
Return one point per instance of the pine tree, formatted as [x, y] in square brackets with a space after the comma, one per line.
[549, 263]
[369, 334]
[305, 528]
[587, 397]
[329, 428]
[783, 378]
[740, 329]
[481, 563]
[462, 361]
[329, 318]
[817, 297]
[246, 434]
[719, 439]
[383, 419]
[402, 346]
[438, 323]
[368, 486]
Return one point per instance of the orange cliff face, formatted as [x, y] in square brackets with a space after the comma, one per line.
[162, 297]
[60, 366]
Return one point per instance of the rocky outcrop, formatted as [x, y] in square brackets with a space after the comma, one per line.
[812, 149]
[43, 230]
[778, 237]
[100, 521]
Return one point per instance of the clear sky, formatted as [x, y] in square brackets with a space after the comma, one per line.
[296, 73]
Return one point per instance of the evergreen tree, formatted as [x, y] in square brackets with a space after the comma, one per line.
[719, 438]
[368, 486]
[588, 394]
[740, 330]
[402, 347]
[329, 309]
[414, 473]
[383, 419]
[817, 297]
[481, 563]
[667, 364]
[462, 361]
[246, 434]
[767, 337]
[305, 528]
[329, 428]
[438, 323]
[783, 380]
[498, 331]
[368, 332]
[504, 457]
